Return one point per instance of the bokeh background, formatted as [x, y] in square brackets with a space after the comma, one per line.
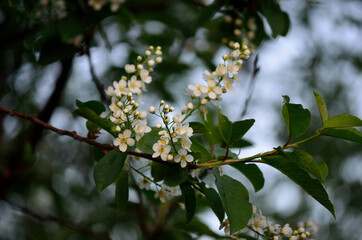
[51, 175]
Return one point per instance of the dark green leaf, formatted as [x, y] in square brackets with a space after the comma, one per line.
[324, 170]
[175, 176]
[88, 114]
[145, 144]
[221, 152]
[235, 199]
[122, 191]
[93, 105]
[215, 203]
[199, 148]
[296, 118]
[158, 171]
[232, 132]
[278, 20]
[70, 27]
[208, 12]
[305, 161]
[312, 186]
[241, 143]
[108, 169]
[342, 121]
[321, 106]
[351, 134]
[198, 127]
[252, 172]
[188, 194]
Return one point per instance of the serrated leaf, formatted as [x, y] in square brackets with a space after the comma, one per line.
[235, 199]
[321, 106]
[145, 144]
[312, 186]
[296, 118]
[108, 169]
[93, 105]
[122, 191]
[252, 172]
[350, 134]
[88, 114]
[175, 176]
[188, 194]
[199, 148]
[215, 203]
[233, 131]
[158, 171]
[342, 121]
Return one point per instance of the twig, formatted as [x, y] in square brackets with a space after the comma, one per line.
[61, 222]
[256, 69]
[74, 135]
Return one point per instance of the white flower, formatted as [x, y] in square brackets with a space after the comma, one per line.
[161, 150]
[226, 226]
[143, 114]
[229, 85]
[118, 117]
[286, 230]
[134, 85]
[163, 141]
[274, 228]
[259, 223]
[233, 68]
[140, 127]
[186, 143]
[162, 194]
[120, 87]
[196, 89]
[183, 158]
[130, 68]
[110, 91]
[115, 4]
[177, 118]
[208, 76]
[123, 140]
[144, 74]
[145, 184]
[96, 4]
[221, 70]
[213, 90]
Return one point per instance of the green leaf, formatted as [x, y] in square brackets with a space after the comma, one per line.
[199, 148]
[342, 121]
[198, 127]
[232, 132]
[221, 152]
[175, 176]
[88, 114]
[241, 143]
[312, 186]
[350, 134]
[323, 169]
[208, 12]
[321, 106]
[215, 203]
[158, 171]
[278, 20]
[145, 144]
[188, 194]
[296, 118]
[252, 172]
[235, 199]
[108, 169]
[305, 161]
[93, 105]
[122, 191]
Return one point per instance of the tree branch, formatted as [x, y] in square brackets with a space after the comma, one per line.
[74, 135]
[59, 221]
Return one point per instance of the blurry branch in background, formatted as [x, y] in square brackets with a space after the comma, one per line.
[74, 135]
[59, 221]
[251, 87]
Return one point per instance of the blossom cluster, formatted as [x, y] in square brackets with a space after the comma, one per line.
[222, 79]
[268, 230]
[174, 143]
[132, 123]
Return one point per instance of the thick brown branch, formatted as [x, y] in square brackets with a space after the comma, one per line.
[61, 222]
[74, 135]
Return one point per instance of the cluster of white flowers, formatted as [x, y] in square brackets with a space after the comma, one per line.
[268, 230]
[174, 143]
[167, 193]
[98, 4]
[221, 80]
[132, 123]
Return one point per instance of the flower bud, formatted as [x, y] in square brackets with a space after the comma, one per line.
[203, 101]
[172, 109]
[169, 157]
[190, 106]
[161, 133]
[139, 58]
[118, 129]
[148, 53]
[162, 102]
[152, 110]
[158, 125]
[151, 48]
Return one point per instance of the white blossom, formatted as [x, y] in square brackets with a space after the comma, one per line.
[144, 74]
[130, 68]
[161, 150]
[183, 158]
[124, 140]
[140, 127]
